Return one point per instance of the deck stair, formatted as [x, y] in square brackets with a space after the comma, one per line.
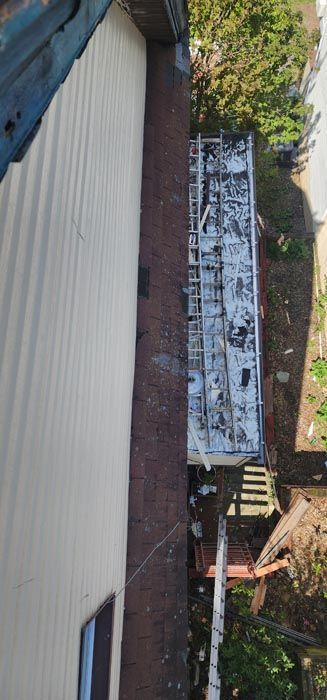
[247, 493]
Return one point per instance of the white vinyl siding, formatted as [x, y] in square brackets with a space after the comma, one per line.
[69, 240]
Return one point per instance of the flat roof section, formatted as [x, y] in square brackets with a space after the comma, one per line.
[225, 361]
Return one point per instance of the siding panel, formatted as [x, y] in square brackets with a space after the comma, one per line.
[69, 236]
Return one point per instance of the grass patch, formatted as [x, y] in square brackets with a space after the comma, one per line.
[318, 370]
[271, 192]
[291, 249]
[272, 296]
[320, 419]
[320, 309]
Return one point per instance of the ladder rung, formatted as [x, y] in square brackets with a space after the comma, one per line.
[223, 409]
[213, 332]
[206, 237]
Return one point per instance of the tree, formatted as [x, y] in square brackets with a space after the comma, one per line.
[246, 60]
[254, 659]
[258, 664]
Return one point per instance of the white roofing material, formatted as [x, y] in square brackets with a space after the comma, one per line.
[224, 304]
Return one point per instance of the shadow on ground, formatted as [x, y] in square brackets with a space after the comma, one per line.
[294, 340]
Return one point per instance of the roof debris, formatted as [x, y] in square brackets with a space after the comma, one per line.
[225, 386]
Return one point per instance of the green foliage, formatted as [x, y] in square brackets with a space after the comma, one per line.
[316, 567]
[311, 398]
[289, 250]
[242, 596]
[269, 184]
[254, 658]
[319, 678]
[321, 309]
[272, 344]
[321, 423]
[295, 249]
[284, 220]
[321, 414]
[272, 296]
[318, 370]
[245, 58]
[272, 250]
[258, 662]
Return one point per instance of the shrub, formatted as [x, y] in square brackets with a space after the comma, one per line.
[321, 422]
[318, 370]
[295, 249]
[321, 309]
[290, 250]
[255, 659]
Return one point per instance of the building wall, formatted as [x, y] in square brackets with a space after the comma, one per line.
[317, 147]
[317, 131]
[69, 243]
[317, 139]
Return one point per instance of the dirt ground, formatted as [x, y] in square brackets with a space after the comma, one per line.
[298, 598]
[293, 344]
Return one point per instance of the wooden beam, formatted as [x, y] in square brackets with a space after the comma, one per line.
[234, 582]
[259, 596]
[210, 572]
[284, 528]
[278, 564]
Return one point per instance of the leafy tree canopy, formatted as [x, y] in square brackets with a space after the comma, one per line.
[247, 57]
[256, 660]
[258, 665]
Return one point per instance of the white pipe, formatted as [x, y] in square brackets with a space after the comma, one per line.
[199, 444]
[255, 274]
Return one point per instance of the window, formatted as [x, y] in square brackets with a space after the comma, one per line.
[94, 675]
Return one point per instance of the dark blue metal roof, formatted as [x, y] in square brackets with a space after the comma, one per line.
[39, 42]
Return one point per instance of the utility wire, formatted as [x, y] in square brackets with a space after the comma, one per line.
[146, 560]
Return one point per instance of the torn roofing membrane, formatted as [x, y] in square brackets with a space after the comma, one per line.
[225, 362]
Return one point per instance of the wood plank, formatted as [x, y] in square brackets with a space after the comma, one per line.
[259, 596]
[242, 572]
[284, 528]
[278, 564]
[234, 582]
